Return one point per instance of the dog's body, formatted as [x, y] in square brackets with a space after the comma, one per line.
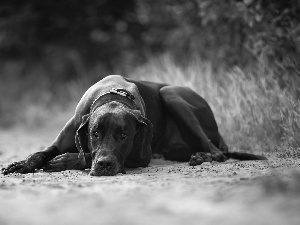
[121, 122]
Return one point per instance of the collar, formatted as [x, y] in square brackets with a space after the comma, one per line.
[115, 94]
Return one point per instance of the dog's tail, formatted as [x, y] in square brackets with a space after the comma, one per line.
[238, 155]
[244, 156]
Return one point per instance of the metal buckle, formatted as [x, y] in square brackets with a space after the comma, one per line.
[122, 92]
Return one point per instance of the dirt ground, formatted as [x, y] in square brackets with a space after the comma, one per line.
[252, 192]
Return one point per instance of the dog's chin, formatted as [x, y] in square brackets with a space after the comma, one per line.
[104, 172]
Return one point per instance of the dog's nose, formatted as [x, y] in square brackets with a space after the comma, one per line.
[105, 163]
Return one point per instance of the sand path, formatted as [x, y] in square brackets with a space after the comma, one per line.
[253, 192]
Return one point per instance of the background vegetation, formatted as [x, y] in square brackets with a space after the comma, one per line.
[241, 55]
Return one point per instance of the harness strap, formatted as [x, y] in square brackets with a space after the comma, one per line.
[119, 92]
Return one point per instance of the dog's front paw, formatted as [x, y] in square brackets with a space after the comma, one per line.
[29, 165]
[13, 167]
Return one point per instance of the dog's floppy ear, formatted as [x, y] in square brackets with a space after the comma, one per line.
[141, 151]
[81, 136]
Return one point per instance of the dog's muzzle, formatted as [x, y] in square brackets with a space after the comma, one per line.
[104, 166]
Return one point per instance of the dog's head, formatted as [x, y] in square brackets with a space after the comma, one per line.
[111, 133]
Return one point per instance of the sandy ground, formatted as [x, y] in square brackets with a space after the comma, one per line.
[253, 192]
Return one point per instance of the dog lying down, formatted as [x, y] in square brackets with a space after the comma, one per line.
[121, 122]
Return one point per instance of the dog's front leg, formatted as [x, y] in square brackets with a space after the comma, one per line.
[69, 161]
[65, 142]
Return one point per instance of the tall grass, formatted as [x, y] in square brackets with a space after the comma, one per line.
[253, 112]
[256, 110]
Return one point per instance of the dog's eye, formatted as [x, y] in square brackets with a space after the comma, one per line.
[95, 134]
[123, 136]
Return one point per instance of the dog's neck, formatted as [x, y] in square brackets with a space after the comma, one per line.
[120, 95]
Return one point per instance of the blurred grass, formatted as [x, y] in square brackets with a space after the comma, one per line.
[256, 109]
[30, 97]
[253, 111]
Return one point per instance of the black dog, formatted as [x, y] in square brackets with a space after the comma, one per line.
[120, 123]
